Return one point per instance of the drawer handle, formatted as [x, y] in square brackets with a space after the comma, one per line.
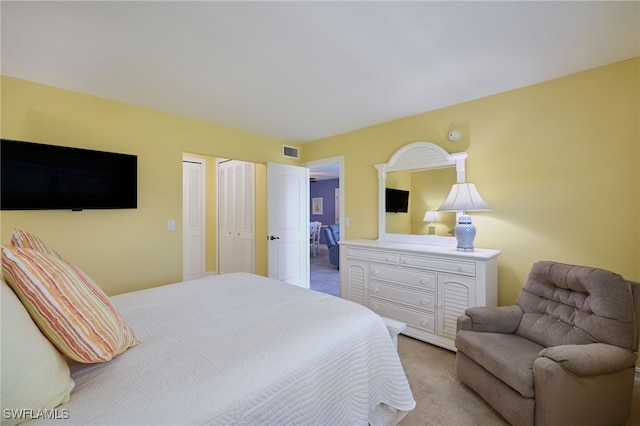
[374, 272]
[424, 281]
[374, 290]
[389, 258]
[424, 302]
[405, 261]
[375, 307]
[424, 323]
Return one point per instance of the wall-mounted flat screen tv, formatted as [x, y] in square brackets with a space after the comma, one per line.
[396, 201]
[36, 176]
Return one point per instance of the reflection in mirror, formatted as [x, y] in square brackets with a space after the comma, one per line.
[427, 190]
[427, 171]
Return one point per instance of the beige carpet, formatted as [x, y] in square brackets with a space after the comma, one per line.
[442, 400]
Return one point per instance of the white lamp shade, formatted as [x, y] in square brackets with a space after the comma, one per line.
[464, 197]
[431, 216]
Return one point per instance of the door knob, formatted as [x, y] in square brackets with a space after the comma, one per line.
[273, 238]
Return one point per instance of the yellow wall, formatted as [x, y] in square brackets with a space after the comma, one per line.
[558, 162]
[123, 250]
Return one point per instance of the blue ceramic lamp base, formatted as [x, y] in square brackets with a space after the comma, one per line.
[465, 233]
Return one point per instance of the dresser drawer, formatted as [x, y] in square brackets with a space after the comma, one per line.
[402, 276]
[425, 321]
[433, 263]
[375, 256]
[418, 299]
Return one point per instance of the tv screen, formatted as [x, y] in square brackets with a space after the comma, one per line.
[35, 176]
[396, 200]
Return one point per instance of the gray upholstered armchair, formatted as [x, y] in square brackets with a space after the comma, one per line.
[565, 354]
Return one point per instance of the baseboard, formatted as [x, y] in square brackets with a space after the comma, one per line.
[210, 273]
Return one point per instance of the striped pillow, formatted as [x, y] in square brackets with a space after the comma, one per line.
[70, 309]
[26, 240]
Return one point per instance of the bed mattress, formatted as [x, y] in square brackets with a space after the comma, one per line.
[243, 349]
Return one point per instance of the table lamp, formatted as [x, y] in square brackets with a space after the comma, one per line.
[431, 216]
[464, 197]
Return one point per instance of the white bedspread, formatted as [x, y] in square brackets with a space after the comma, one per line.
[243, 349]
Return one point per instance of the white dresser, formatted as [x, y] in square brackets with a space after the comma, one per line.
[425, 286]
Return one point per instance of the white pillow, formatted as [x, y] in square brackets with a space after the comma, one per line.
[35, 376]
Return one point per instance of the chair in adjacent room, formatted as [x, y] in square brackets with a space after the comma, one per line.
[565, 354]
[314, 237]
[332, 236]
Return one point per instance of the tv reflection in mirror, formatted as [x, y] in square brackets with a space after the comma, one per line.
[396, 200]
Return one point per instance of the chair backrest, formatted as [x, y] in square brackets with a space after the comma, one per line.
[635, 288]
[314, 230]
[568, 304]
[332, 235]
[335, 231]
[328, 237]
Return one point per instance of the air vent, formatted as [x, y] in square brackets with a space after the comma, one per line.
[290, 151]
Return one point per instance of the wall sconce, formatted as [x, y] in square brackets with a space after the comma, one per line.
[431, 216]
[464, 197]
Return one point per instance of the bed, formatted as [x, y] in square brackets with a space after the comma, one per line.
[242, 349]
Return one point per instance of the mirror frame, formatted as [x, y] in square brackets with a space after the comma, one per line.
[416, 156]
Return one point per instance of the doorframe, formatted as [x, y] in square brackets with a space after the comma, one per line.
[340, 161]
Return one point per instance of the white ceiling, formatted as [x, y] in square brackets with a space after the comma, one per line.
[302, 71]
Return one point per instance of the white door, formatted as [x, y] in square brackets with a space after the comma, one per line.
[226, 220]
[245, 217]
[236, 217]
[288, 223]
[193, 218]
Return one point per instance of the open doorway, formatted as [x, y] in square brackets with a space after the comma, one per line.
[326, 206]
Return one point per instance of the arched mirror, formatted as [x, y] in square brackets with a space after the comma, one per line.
[416, 180]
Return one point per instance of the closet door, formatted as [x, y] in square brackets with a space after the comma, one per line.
[236, 217]
[245, 217]
[193, 214]
[226, 250]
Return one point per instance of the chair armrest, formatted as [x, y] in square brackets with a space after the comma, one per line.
[592, 359]
[494, 319]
